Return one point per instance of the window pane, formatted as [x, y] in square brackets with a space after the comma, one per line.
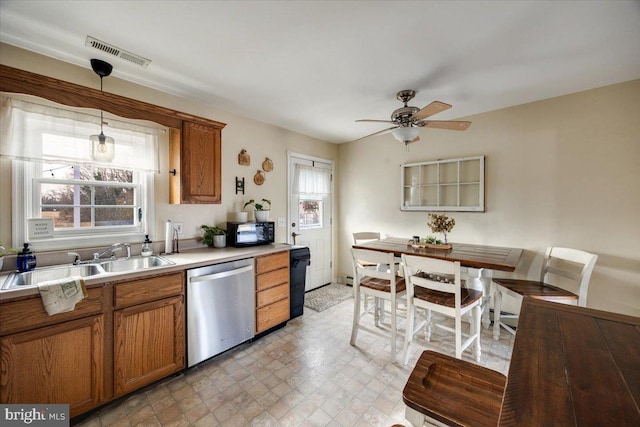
[310, 213]
[65, 217]
[114, 196]
[114, 216]
[64, 194]
[112, 175]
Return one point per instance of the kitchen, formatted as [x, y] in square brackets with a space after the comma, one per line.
[559, 172]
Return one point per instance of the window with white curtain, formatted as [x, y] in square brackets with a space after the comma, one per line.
[91, 202]
[311, 184]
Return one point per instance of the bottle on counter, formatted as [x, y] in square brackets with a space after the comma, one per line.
[147, 249]
[26, 260]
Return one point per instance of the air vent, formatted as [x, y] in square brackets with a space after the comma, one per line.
[116, 51]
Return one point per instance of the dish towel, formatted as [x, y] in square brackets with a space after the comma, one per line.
[62, 295]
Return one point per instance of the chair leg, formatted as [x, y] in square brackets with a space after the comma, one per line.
[458, 334]
[356, 314]
[393, 328]
[427, 326]
[408, 335]
[497, 306]
[477, 330]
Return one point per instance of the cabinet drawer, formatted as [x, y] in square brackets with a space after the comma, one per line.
[272, 262]
[144, 290]
[271, 279]
[29, 314]
[272, 295]
[272, 315]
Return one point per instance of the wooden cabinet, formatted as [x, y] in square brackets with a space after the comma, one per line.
[149, 331]
[53, 359]
[443, 185]
[272, 290]
[195, 155]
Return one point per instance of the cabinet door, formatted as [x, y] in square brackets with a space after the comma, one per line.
[56, 364]
[148, 343]
[199, 165]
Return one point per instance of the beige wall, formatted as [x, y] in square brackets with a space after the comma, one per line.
[259, 139]
[559, 172]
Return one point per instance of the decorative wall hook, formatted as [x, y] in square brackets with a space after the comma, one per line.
[239, 185]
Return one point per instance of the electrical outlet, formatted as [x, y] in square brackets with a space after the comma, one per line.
[178, 226]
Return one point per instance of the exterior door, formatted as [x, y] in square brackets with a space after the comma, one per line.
[310, 214]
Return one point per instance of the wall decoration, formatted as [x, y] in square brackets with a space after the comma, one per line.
[244, 158]
[239, 185]
[259, 178]
[267, 165]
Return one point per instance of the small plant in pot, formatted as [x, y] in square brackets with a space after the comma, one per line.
[261, 208]
[3, 252]
[214, 236]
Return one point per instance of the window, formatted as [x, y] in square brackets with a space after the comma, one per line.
[91, 203]
[310, 212]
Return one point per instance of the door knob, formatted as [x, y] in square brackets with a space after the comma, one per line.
[294, 235]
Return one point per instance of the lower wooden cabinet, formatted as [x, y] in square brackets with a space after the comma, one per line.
[62, 363]
[148, 344]
[149, 331]
[272, 290]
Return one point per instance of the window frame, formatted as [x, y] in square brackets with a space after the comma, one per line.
[26, 205]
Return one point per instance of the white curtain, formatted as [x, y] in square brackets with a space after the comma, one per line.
[309, 180]
[35, 132]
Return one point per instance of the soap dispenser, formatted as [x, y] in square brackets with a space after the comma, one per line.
[147, 249]
[26, 260]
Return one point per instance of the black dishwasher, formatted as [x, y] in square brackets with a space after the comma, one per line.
[300, 258]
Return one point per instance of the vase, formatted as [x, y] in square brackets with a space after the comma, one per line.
[242, 216]
[219, 241]
[262, 216]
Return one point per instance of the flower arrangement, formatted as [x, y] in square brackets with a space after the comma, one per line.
[441, 224]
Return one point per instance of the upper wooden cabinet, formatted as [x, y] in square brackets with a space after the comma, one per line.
[195, 158]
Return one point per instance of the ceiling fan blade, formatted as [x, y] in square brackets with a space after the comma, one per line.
[374, 121]
[375, 133]
[444, 124]
[434, 108]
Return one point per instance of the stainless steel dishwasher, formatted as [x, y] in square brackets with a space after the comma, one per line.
[220, 308]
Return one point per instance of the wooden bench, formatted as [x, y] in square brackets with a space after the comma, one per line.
[447, 391]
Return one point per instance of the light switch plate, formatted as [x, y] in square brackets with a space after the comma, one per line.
[281, 222]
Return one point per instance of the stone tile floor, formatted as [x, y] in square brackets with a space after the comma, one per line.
[305, 374]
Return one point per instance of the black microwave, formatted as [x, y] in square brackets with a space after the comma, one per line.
[240, 234]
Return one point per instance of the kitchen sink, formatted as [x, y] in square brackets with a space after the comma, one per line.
[134, 264]
[43, 274]
[33, 277]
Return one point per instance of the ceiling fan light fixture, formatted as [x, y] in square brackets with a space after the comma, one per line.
[405, 134]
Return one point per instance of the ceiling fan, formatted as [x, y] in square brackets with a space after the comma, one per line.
[408, 119]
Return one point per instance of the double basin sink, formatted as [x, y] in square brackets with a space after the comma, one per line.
[124, 265]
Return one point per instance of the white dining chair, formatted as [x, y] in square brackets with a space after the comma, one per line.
[435, 285]
[563, 269]
[382, 285]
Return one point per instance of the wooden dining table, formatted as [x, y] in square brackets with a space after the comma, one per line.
[480, 260]
[469, 255]
[573, 366]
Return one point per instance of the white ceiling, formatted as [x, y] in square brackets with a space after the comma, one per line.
[316, 66]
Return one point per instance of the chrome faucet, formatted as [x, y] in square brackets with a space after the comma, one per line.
[111, 249]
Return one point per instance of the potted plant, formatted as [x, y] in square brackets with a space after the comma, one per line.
[214, 236]
[441, 224]
[261, 208]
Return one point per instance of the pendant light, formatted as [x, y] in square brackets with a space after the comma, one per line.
[103, 147]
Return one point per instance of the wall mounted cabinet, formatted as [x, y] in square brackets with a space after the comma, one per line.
[443, 185]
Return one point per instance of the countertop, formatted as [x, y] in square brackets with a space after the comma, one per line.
[187, 259]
